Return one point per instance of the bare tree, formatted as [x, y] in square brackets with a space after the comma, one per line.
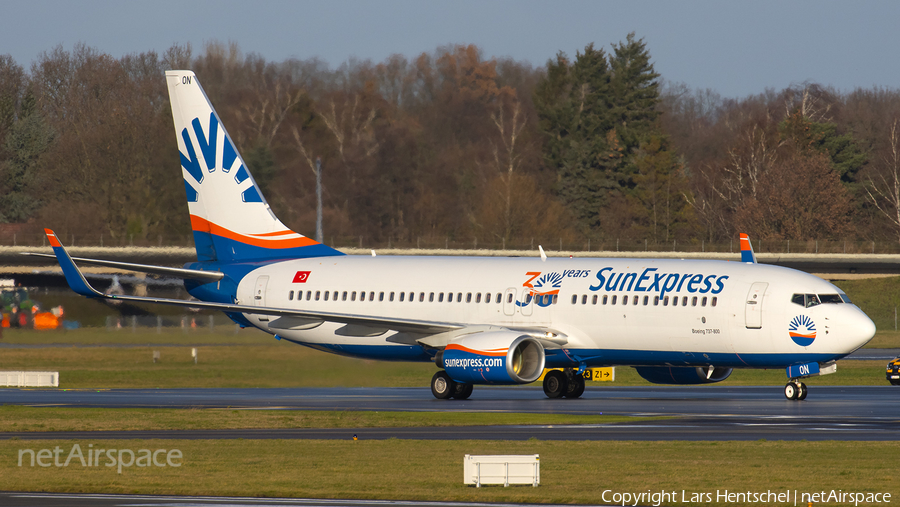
[885, 193]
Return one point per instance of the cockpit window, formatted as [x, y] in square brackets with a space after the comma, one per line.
[830, 298]
[810, 300]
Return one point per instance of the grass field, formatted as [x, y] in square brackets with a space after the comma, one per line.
[571, 472]
[18, 419]
[282, 364]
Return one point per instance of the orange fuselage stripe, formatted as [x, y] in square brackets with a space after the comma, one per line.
[202, 225]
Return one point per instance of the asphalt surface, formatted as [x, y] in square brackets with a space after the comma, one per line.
[698, 413]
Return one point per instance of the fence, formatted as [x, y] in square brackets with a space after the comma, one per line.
[829, 246]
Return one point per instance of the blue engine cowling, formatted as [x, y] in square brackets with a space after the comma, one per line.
[682, 374]
[495, 357]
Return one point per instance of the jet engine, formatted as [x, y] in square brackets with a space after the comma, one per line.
[683, 374]
[494, 357]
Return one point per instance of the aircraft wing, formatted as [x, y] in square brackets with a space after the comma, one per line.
[79, 284]
[192, 274]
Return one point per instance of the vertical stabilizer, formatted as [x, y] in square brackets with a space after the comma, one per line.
[230, 218]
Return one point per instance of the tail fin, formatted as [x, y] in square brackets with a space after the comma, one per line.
[230, 218]
[747, 254]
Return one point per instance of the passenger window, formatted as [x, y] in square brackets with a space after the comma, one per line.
[798, 299]
[291, 296]
[574, 298]
[372, 296]
[343, 298]
[431, 297]
[326, 295]
[635, 300]
[584, 299]
[391, 297]
[655, 300]
[703, 301]
[412, 295]
[555, 298]
[613, 300]
[478, 297]
[468, 297]
[487, 297]
[309, 295]
[694, 301]
[666, 301]
[353, 296]
[317, 295]
[646, 300]
[605, 298]
[499, 298]
[402, 296]
[422, 297]
[674, 300]
[714, 301]
[594, 300]
[459, 297]
[440, 297]
[334, 296]
[684, 301]
[509, 297]
[380, 297]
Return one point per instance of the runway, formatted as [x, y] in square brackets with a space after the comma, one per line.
[692, 413]
[824, 402]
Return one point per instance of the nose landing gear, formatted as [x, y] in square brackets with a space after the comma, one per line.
[795, 390]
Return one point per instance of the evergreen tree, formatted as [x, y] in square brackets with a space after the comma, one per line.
[26, 140]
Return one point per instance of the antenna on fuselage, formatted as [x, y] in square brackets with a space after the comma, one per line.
[543, 255]
[747, 254]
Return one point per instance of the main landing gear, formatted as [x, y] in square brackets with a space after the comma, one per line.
[567, 383]
[443, 387]
[795, 390]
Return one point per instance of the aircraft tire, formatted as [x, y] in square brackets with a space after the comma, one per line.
[463, 390]
[442, 386]
[791, 391]
[555, 384]
[575, 387]
[803, 392]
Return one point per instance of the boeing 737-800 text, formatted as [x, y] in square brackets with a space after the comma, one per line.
[485, 320]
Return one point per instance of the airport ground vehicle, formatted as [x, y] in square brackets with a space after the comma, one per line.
[893, 371]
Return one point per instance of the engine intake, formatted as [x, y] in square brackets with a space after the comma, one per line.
[494, 357]
[682, 374]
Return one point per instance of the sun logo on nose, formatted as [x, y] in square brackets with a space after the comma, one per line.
[802, 330]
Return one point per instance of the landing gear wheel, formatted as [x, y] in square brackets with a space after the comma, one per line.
[575, 387]
[555, 384]
[791, 391]
[803, 391]
[462, 390]
[442, 386]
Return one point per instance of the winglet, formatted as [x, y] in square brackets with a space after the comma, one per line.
[747, 254]
[73, 275]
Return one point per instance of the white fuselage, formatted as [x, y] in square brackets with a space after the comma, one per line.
[612, 311]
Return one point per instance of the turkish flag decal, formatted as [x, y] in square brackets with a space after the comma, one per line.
[301, 277]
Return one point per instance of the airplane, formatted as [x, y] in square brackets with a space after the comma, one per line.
[485, 320]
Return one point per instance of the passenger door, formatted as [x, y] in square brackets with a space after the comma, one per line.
[753, 308]
[259, 295]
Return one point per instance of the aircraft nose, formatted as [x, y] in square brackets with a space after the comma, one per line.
[859, 330]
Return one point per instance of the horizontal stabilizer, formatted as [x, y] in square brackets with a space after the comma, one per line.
[187, 274]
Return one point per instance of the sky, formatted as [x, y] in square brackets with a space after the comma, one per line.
[734, 48]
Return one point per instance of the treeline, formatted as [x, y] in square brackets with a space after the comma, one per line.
[453, 147]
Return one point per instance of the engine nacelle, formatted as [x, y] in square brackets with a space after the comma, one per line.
[495, 357]
[682, 374]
